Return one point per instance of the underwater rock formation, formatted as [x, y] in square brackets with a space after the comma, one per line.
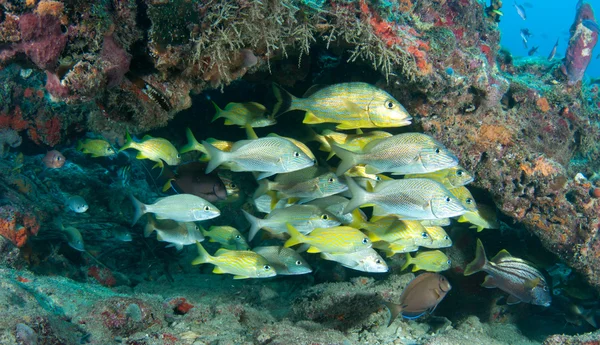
[581, 45]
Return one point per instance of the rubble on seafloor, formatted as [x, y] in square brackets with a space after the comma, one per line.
[524, 126]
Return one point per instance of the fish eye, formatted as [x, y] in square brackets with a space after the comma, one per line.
[267, 267]
[377, 178]
[424, 235]
[298, 262]
[58, 158]
[232, 185]
[296, 154]
[377, 261]
[197, 228]
[389, 104]
[449, 262]
[469, 201]
[545, 288]
[178, 156]
[448, 199]
[237, 237]
[206, 208]
[446, 237]
[459, 172]
[437, 150]
[324, 217]
[365, 240]
[330, 180]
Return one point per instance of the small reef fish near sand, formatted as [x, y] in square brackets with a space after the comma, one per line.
[77, 204]
[241, 263]
[431, 261]
[268, 156]
[228, 236]
[158, 150]
[178, 234]
[350, 105]
[518, 278]
[420, 296]
[285, 260]
[95, 147]
[366, 260]
[408, 153]
[242, 114]
[53, 160]
[180, 207]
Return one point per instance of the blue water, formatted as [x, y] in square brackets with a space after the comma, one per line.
[547, 20]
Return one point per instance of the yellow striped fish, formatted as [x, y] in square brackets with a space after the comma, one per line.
[465, 197]
[350, 142]
[158, 150]
[450, 177]
[401, 232]
[436, 222]
[431, 261]
[241, 263]
[227, 236]
[194, 145]
[340, 239]
[439, 237]
[95, 147]
[350, 105]
[483, 218]
[242, 114]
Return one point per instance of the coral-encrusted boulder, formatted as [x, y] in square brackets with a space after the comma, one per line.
[581, 45]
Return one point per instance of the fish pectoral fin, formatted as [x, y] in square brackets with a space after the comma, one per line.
[512, 300]
[353, 107]
[228, 122]
[532, 283]
[311, 119]
[313, 249]
[158, 164]
[265, 174]
[218, 270]
[369, 169]
[141, 155]
[489, 282]
[240, 277]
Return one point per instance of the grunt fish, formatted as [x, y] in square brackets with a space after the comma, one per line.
[180, 208]
[158, 150]
[77, 204]
[465, 197]
[420, 296]
[242, 264]
[178, 234]
[518, 278]
[431, 261]
[95, 147]
[450, 177]
[350, 105]
[269, 156]
[366, 260]
[483, 218]
[54, 160]
[242, 114]
[285, 261]
[350, 142]
[228, 236]
[439, 237]
[319, 187]
[194, 145]
[335, 204]
[414, 199]
[340, 239]
[408, 153]
[553, 51]
[73, 236]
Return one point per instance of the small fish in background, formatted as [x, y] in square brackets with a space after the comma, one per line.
[194, 145]
[420, 296]
[335, 204]
[285, 261]
[95, 147]
[73, 236]
[54, 160]
[520, 11]
[124, 174]
[178, 234]
[268, 156]
[180, 208]
[553, 51]
[158, 150]
[525, 36]
[232, 189]
[367, 260]
[242, 264]
[315, 188]
[242, 114]
[341, 239]
[592, 25]
[450, 177]
[518, 278]
[484, 218]
[349, 105]
[350, 142]
[439, 237]
[533, 50]
[191, 179]
[122, 234]
[77, 204]
[431, 261]
[228, 236]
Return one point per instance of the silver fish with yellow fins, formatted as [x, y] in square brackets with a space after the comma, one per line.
[401, 154]
[414, 199]
[450, 177]
[285, 260]
[483, 218]
[242, 264]
[340, 239]
[439, 237]
[242, 114]
[180, 207]
[350, 105]
[350, 142]
[431, 261]
[517, 277]
[420, 296]
[178, 234]
[318, 187]
[95, 147]
[366, 260]
[268, 156]
[228, 236]
[158, 150]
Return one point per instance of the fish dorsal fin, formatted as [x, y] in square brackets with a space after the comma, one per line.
[221, 251]
[512, 300]
[501, 255]
[146, 137]
[532, 283]
[313, 89]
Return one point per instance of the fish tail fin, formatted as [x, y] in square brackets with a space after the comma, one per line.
[263, 188]
[218, 112]
[129, 143]
[192, 142]
[203, 231]
[79, 146]
[295, 236]
[255, 224]
[203, 256]
[216, 156]
[395, 310]
[479, 262]
[359, 196]
[348, 159]
[138, 209]
[284, 101]
[150, 227]
[408, 261]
